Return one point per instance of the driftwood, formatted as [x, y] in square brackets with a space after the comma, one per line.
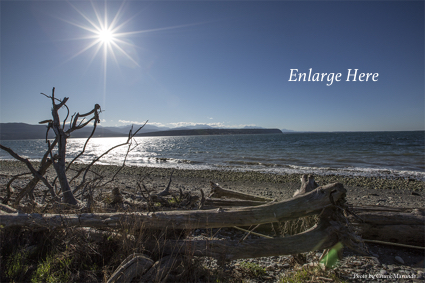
[396, 225]
[321, 236]
[133, 266]
[216, 202]
[307, 185]
[308, 204]
[325, 201]
[166, 191]
[218, 192]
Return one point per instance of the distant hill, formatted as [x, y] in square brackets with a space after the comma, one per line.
[20, 131]
[211, 132]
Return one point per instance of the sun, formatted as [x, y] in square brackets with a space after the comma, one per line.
[106, 33]
[106, 36]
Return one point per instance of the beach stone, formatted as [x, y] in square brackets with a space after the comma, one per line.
[286, 265]
[399, 259]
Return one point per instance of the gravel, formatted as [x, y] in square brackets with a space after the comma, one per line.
[388, 264]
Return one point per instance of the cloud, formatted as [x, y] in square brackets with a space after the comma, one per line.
[132, 122]
[214, 125]
[188, 124]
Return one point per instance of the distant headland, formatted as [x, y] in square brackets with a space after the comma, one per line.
[194, 132]
[22, 131]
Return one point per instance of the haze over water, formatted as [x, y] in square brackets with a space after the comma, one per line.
[380, 154]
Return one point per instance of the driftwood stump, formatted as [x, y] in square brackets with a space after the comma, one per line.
[307, 185]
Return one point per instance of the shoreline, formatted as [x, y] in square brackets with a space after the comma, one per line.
[399, 192]
[361, 191]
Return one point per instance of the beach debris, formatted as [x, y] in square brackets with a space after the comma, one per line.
[218, 192]
[326, 233]
[7, 209]
[116, 197]
[307, 185]
[400, 226]
[166, 192]
[133, 266]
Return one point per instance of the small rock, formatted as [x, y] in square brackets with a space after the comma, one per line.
[420, 275]
[376, 260]
[399, 259]
[286, 265]
[383, 272]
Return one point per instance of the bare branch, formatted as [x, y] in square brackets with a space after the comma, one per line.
[29, 165]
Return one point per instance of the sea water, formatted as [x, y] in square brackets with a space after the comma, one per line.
[380, 154]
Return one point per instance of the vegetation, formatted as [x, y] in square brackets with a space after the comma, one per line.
[253, 269]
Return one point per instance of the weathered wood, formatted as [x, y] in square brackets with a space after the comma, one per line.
[308, 204]
[218, 192]
[307, 185]
[396, 225]
[401, 234]
[31, 185]
[59, 160]
[7, 209]
[319, 237]
[133, 266]
[216, 202]
[166, 191]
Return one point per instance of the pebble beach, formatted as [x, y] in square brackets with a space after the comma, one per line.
[381, 266]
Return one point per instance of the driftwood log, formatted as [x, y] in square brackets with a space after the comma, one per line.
[322, 236]
[395, 225]
[308, 204]
[218, 192]
[215, 203]
[220, 197]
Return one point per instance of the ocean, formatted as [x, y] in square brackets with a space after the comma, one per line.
[375, 154]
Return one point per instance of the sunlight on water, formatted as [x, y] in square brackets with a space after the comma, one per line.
[392, 154]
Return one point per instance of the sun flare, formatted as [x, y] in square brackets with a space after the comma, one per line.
[106, 36]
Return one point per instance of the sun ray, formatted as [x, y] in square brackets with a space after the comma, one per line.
[125, 53]
[84, 50]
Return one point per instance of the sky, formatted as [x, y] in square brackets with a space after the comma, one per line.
[227, 64]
